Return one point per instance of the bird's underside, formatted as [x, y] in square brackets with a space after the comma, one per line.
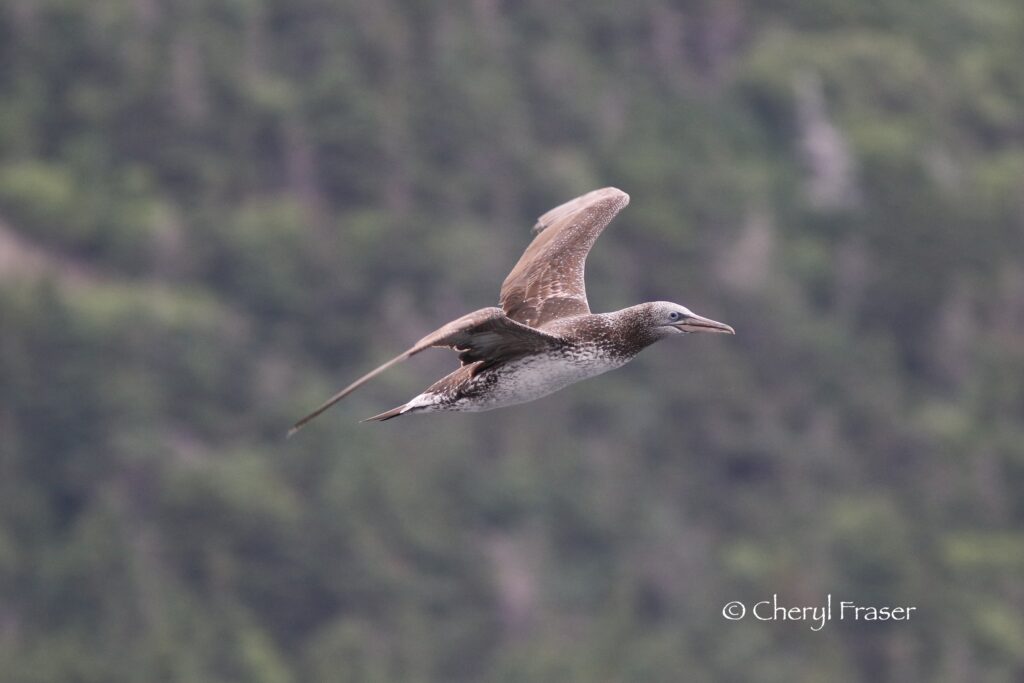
[543, 337]
[483, 386]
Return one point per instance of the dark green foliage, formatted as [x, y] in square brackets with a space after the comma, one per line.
[215, 212]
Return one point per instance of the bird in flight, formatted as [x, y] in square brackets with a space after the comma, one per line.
[543, 337]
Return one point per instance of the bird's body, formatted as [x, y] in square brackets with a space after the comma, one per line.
[589, 346]
[544, 337]
[516, 381]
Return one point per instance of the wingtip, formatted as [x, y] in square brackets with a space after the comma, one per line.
[601, 194]
[616, 191]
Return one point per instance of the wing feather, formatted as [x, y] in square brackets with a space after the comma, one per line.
[487, 335]
[547, 283]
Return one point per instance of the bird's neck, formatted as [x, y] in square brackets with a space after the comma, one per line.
[630, 329]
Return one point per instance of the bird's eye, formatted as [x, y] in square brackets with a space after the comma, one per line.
[674, 315]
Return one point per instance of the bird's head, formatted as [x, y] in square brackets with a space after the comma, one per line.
[668, 318]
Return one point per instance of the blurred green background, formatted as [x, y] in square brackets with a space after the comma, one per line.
[214, 213]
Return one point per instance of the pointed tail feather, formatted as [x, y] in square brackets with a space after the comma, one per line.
[387, 414]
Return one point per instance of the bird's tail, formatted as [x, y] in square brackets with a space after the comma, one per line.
[388, 414]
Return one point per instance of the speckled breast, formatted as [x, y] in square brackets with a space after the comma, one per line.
[532, 377]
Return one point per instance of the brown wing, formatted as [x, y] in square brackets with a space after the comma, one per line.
[547, 283]
[487, 335]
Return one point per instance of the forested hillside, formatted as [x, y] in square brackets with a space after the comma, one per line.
[215, 213]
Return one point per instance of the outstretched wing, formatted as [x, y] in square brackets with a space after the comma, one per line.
[547, 283]
[487, 335]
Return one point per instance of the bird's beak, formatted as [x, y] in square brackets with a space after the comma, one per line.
[696, 323]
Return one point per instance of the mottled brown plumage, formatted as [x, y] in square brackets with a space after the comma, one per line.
[547, 283]
[544, 336]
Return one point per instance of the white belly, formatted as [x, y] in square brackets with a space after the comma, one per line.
[519, 381]
[533, 378]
